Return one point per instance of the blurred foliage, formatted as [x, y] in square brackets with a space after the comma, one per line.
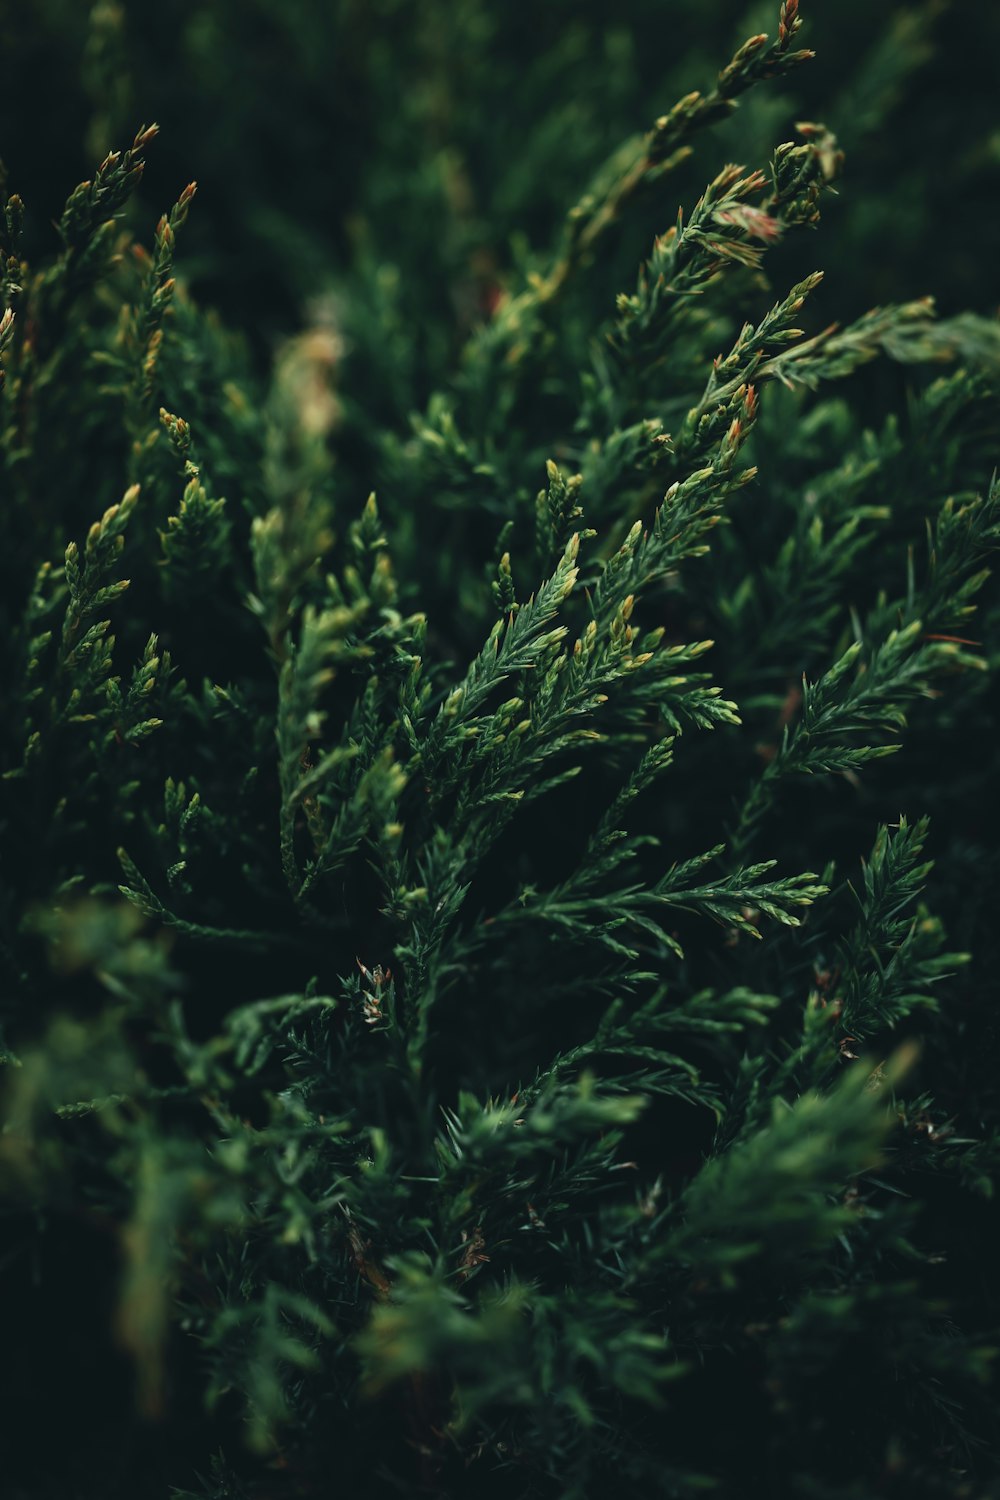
[439, 144]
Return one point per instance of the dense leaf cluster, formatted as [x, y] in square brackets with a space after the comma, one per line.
[496, 974]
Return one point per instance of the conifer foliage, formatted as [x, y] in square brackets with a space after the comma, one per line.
[495, 974]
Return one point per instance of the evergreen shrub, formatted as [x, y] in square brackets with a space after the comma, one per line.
[498, 975]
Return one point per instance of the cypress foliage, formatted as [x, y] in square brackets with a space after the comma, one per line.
[497, 975]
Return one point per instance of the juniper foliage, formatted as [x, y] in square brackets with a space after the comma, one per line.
[496, 974]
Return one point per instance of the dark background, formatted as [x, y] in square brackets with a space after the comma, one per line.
[447, 138]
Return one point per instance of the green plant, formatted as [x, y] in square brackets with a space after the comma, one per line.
[470, 1002]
